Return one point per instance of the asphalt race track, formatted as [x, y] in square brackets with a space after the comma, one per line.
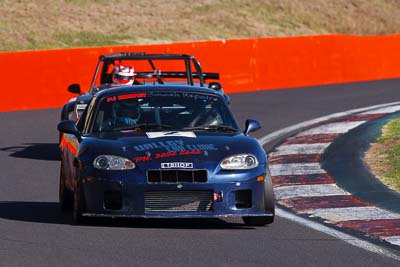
[34, 232]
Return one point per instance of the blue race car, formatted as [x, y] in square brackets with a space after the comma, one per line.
[163, 151]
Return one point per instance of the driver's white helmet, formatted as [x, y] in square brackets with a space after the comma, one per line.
[124, 75]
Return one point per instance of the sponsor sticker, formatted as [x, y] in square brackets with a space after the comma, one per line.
[169, 154]
[171, 133]
[128, 96]
[173, 165]
[80, 106]
[175, 145]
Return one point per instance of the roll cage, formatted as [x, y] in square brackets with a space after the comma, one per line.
[193, 71]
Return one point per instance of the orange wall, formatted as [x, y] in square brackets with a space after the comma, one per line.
[38, 79]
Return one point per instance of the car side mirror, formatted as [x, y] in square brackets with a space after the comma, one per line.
[75, 88]
[251, 126]
[69, 127]
[215, 86]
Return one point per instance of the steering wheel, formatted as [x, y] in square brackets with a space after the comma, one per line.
[205, 119]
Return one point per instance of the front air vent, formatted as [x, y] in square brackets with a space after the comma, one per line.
[175, 201]
[177, 176]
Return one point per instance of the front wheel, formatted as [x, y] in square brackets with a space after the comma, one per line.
[269, 205]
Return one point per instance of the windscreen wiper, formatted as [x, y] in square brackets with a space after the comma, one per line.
[218, 128]
[144, 126]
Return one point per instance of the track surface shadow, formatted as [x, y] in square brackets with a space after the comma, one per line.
[39, 151]
[344, 160]
[49, 212]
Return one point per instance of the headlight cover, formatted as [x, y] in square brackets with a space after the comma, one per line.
[239, 162]
[110, 162]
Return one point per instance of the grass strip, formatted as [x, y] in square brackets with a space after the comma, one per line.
[384, 156]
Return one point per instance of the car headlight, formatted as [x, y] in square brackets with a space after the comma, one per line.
[239, 162]
[110, 162]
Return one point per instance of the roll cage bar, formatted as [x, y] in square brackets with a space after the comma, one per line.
[189, 74]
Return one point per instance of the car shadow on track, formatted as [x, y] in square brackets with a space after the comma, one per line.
[49, 212]
[41, 212]
[39, 151]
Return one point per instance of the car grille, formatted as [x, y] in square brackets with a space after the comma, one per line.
[177, 176]
[178, 201]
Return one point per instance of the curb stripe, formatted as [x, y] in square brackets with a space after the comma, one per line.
[381, 228]
[296, 169]
[273, 136]
[312, 139]
[336, 215]
[320, 206]
[335, 127]
[314, 190]
[361, 117]
[293, 149]
[288, 159]
[304, 204]
[286, 180]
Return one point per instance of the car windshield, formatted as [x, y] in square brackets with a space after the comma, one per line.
[158, 111]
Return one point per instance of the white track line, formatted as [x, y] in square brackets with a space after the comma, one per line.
[336, 234]
[309, 190]
[383, 110]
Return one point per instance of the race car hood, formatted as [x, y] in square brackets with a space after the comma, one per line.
[154, 148]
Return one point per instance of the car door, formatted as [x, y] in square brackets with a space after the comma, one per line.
[70, 147]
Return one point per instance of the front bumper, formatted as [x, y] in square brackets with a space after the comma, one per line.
[124, 198]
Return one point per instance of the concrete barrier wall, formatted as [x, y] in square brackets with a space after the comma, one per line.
[38, 79]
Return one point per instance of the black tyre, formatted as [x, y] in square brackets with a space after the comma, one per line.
[78, 206]
[269, 197]
[65, 197]
[269, 205]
